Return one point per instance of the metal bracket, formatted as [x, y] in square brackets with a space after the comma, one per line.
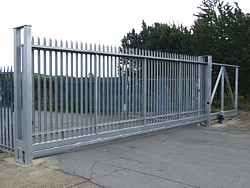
[221, 117]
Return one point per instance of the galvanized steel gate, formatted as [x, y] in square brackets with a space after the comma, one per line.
[73, 94]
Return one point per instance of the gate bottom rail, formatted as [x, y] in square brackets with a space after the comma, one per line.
[57, 146]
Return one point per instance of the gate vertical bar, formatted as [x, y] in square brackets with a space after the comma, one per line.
[95, 93]
[180, 91]
[23, 77]
[199, 87]
[144, 91]
[1, 113]
[236, 88]
[12, 110]
[208, 89]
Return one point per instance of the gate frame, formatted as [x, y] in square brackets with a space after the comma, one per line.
[23, 97]
[222, 75]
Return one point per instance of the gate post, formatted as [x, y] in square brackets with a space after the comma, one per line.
[236, 88]
[208, 83]
[23, 77]
[222, 90]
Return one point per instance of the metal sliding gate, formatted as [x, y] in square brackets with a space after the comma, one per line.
[74, 94]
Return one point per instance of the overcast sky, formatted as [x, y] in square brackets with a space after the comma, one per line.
[95, 21]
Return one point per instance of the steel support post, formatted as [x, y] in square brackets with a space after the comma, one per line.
[23, 88]
[236, 88]
[222, 89]
[208, 84]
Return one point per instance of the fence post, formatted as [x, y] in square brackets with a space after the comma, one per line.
[208, 83]
[23, 77]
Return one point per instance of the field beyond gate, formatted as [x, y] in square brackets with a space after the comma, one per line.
[75, 94]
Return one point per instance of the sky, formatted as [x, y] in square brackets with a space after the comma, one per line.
[92, 21]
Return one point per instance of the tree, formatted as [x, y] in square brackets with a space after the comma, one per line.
[220, 29]
[223, 31]
[160, 37]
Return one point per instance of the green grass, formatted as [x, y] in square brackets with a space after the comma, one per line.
[242, 104]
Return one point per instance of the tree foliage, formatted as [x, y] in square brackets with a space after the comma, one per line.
[223, 31]
[220, 29]
[160, 37]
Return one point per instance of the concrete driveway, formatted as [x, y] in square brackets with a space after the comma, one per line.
[191, 156]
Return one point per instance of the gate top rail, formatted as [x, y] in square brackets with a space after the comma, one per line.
[225, 65]
[125, 53]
